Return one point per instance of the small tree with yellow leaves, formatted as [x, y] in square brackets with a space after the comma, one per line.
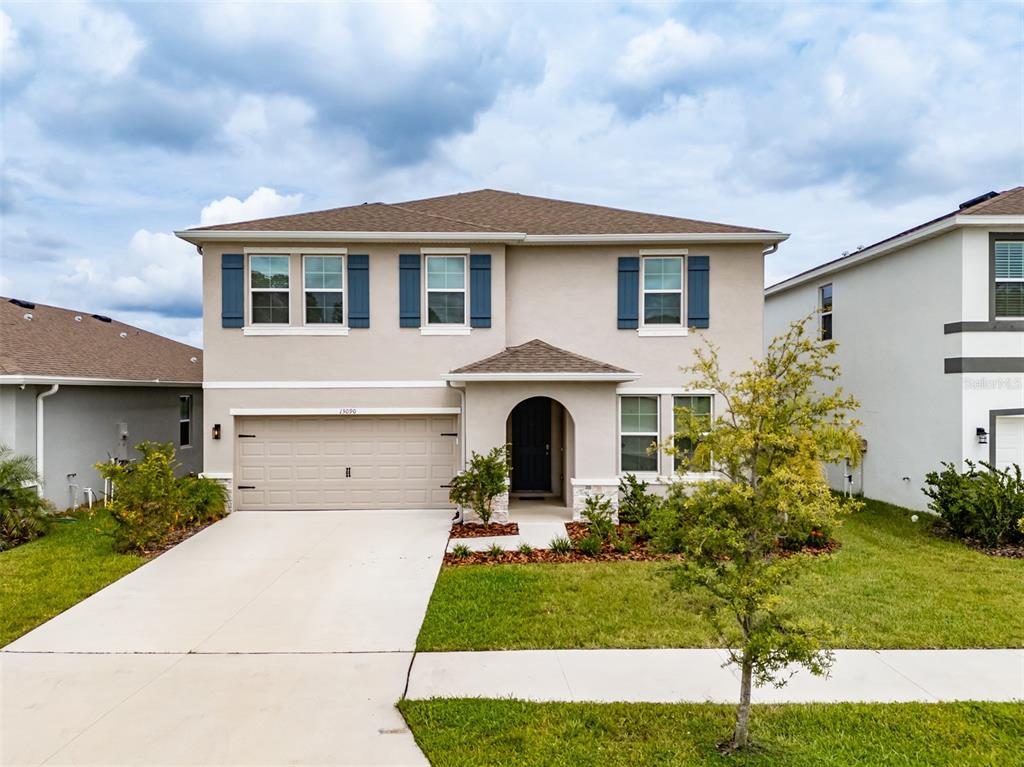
[768, 447]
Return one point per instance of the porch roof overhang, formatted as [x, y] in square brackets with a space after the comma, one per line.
[552, 376]
[537, 360]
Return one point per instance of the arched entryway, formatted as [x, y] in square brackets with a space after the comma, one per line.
[540, 434]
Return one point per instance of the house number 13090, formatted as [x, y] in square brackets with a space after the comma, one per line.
[348, 411]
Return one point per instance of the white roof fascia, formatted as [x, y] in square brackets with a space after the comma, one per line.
[30, 380]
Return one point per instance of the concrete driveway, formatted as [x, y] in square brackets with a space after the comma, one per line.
[269, 638]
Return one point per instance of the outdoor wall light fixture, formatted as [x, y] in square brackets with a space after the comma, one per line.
[982, 435]
[216, 431]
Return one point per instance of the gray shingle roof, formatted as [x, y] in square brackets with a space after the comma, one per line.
[536, 356]
[486, 210]
[55, 343]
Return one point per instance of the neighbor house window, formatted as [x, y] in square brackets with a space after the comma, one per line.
[323, 287]
[825, 308]
[446, 290]
[185, 420]
[695, 409]
[268, 283]
[1009, 278]
[663, 290]
[638, 431]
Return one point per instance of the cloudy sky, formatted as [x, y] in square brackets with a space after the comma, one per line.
[838, 123]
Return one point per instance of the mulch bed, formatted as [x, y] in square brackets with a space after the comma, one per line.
[578, 530]
[546, 555]
[173, 539]
[1007, 551]
[476, 530]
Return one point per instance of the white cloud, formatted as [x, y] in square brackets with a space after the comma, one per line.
[657, 54]
[262, 203]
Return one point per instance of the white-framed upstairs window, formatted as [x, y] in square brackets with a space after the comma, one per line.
[185, 420]
[323, 288]
[446, 290]
[661, 281]
[696, 410]
[825, 312]
[1009, 279]
[269, 286]
[638, 431]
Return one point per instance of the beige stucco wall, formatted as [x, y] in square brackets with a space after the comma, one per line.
[564, 295]
[384, 351]
[568, 296]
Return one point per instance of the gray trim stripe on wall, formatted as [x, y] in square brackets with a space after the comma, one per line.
[984, 364]
[1009, 326]
[992, 416]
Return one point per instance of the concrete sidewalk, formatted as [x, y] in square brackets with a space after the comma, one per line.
[668, 676]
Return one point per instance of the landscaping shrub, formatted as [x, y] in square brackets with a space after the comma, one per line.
[980, 504]
[202, 500]
[635, 503]
[623, 540]
[461, 550]
[525, 548]
[495, 550]
[590, 544]
[598, 512]
[24, 514]
[483, 480]
[149, 502]
[561, 545]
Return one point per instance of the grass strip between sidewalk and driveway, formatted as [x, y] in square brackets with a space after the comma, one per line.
[41, 579]
[893, 584]
[461, 732]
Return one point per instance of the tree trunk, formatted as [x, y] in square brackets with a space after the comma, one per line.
[741, 736]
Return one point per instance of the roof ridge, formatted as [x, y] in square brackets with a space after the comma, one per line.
[401, 206]
[991, 200]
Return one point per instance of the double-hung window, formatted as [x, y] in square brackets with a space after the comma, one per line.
[185, 420]
[323, 284]
[269, 285]
[446, 290]
[638, 432]
[663, 290]
[692, 413]
[825, 311]
[1009, 279]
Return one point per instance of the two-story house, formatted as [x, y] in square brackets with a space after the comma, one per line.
[930, 325]
[355, 356]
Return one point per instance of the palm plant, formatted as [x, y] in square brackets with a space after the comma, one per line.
[24, 514]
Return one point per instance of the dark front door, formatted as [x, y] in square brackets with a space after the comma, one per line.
[531, 446]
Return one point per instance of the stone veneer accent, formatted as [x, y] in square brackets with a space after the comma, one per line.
[499, 510]
[580, 493]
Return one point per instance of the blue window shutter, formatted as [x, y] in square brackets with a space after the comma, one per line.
[697, 288]
[232, 290]
[359, 291]
[480, 290]
[409, 291]
[629, 292]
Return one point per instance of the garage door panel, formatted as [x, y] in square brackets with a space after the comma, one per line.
[301, 462]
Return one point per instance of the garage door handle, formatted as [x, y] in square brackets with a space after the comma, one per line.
[247, 487]
[249, 436]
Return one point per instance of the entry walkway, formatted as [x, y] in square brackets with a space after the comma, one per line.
[539, 522]
[672, 676]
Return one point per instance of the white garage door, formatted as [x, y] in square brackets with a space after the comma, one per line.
[1009, 441]
[344, 462]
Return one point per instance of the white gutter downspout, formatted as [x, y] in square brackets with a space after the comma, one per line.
[39, 432]
[769, 251]
[462, 425]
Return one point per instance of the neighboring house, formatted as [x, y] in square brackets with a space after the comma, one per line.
[930, 325]
[356, 355]
[77, 389]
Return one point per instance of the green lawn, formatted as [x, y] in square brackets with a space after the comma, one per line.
[510, 732]
[47, 576]
[891, 585]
